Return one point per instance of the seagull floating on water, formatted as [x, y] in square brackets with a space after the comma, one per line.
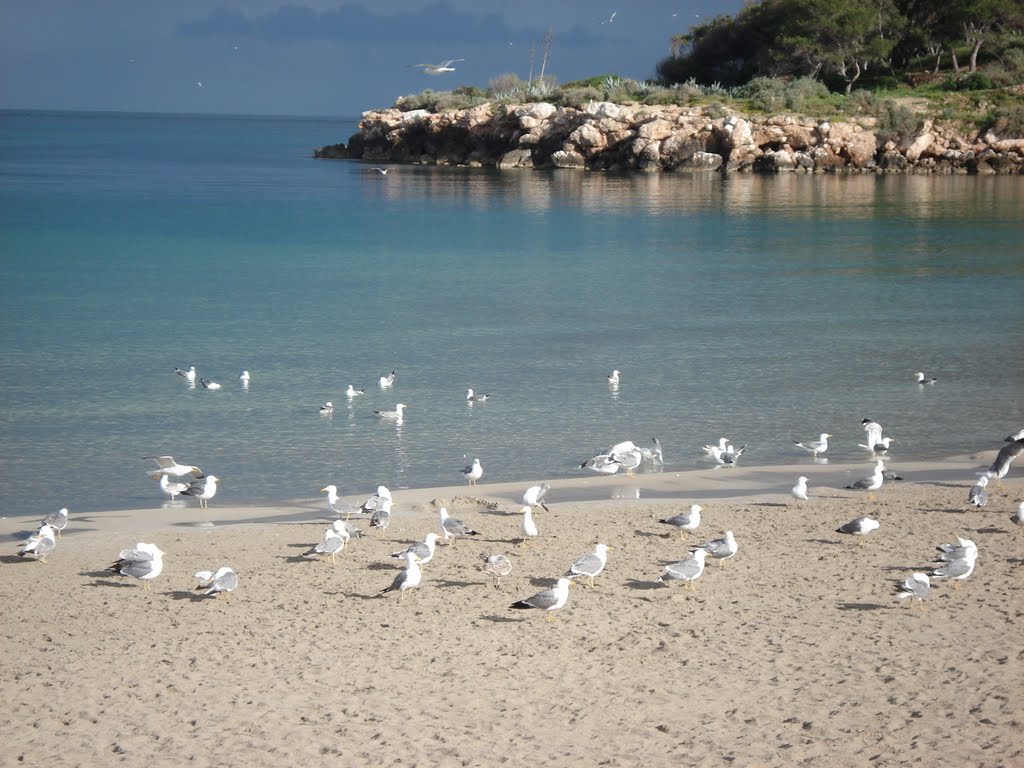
[922, 379]
[189, 375]
[209, 384]
[244, 377]
[327, 408]
[613, 378]
[396, 415]
[475, 398]
[386, 380]
[353, 392]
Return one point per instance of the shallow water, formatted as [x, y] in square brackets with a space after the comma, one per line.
[765, 309]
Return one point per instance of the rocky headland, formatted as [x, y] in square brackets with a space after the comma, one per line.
[632, 137]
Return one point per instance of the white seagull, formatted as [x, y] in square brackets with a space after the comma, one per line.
[168, 466]
[223, 580]
[799, 490]
[721, 549]
[172, 487]
[472, 397]
[386, 380]
[353, 392]
[244, 377]
[922, 379]
[189, 375]
[473, 472]
[408, 579]
[815, 446]
[440, 68]
[685, 521]
[333, 543]
[958, 570]
[527, 525]
[397, 415]
[377, 501]
[590, 565]
[336, 504]
[871, 483]
[498, 566]
[534, 496]
[549, 600]
[423, 550]
[209, 384]
[613, 378]
[58, 520]
[453, 527]
[327, 408]
[860, 526]
[381, 519]
[143, 561]
[977, 495]
[204, 490]
[41, 544]
[916, 586]
[687, 570]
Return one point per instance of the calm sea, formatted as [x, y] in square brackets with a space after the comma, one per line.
[764, 309]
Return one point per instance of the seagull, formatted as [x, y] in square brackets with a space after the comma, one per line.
[685, 521]
[916, 586]
[381, 171]
[453, 527]
[528, 526]
[382, 517]
[224, 580]
[958, 570]
[890, 474]
[172, 487]
[602, 463]
[815, 446]
[977, 495]
[408, 579]
[376, 501]
[1017, 518]
[1015, 436]
[244, 377]
[721, 549]
[396, 415]
[204, 490]
[334, 541]
[590, 565]
[610, 19]
[189, 375]
[336, 504]
[386, 380]
[1004, 459]
[58, 520]
[714, 451]
[799, 490]
[346, 530]
[873, 430]
[534, 496]
[959, 551]
[922, 379]
[423, 550]
[860, 526]
[209, 384]
[353, 392]
[688, 570]
[654, 454]
[627, 454]
[474, 398]
[143, 561]
[327, 408]
[871, 483]
[549, 600]
[168, 466]
[438, 69]
[498, 566]
[41, 544]
[473, 472]
[613, 378]
[730, 455]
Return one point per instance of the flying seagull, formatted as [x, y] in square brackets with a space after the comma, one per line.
[438, 69]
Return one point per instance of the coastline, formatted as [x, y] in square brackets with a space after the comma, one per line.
[795, 650]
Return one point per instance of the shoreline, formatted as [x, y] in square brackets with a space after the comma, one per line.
[737, 484]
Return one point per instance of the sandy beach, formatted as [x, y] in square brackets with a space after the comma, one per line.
[793, 652]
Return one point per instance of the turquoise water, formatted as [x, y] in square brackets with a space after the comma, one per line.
[761, 308]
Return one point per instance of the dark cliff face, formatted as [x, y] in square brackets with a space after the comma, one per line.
[605, 136]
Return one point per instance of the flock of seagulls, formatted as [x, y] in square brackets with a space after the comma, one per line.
[144, 561]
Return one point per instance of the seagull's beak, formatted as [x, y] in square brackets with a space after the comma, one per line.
[323, 490]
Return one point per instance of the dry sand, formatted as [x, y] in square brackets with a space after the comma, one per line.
[794, 652]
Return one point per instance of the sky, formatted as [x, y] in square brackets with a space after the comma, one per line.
[313, 57]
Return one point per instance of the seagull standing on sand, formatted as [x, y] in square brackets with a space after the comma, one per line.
[528, 526]
[590, 565]
[143, 562]
[959, 551]
[408, 579]
[860, 527]
[916, 586]
[534, 496]
[685, 521]
[453, 527]
[958, 570]
[871, 483]
[39, 545]
[799, 490]
[687, 570]
[224, 580]
[977, 495]
[473, 472]
[1017, 518]
[377, 501]
[815, 446]
[204, 490]
[498, 566]
[721, 549]
[58, 520]
[381, 519]
[423, 550]
[549, 600]
[336, 504]
[333, 543]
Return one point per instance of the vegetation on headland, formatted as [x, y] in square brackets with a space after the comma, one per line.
[901, 61]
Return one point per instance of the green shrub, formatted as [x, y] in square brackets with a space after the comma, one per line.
[716, 110]
[441, 101]
[861, 102]
[1006, 120]
[975, 81]
[764, 94]
[896, 121]
[804, 94]
[505, 86]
